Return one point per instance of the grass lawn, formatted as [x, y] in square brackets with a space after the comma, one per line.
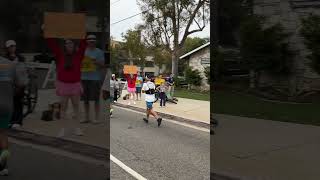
[184, 93]
[249, 106]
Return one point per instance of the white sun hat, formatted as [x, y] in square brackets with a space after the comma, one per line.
[10, 43]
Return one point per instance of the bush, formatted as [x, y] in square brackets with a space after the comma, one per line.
[193, 77]
[311, 32]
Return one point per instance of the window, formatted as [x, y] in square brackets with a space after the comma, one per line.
[205, 61]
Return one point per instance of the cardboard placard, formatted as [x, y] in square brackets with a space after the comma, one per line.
[64, 25]
[129, 69]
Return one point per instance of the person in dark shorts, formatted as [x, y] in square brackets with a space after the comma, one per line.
[91, 78]
[149, 89]
[8, 81]
[139, 83]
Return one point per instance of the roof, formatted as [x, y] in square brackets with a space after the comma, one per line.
[195, 50]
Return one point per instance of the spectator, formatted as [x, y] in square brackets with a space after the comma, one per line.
[114, 87]
[68, 83]
[92, 65]
[162, 94]
[131, 81]
[19, 60]
[139, 83]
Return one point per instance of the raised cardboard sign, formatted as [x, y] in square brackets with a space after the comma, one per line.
[64, 25]
[129, 69]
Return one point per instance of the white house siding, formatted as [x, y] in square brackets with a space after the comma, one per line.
[195, 64]
[284, 12]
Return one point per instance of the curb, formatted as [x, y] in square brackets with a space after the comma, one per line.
[168, 116]
[95, 152]
[220, 176]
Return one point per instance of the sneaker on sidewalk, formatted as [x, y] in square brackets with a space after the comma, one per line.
[4, 172]
[84, 120]
[134, 103]
[129, 103]
[145, 120]
[159, 121]
[94, 121]
[78, 132]
[62, 133]
[16, 126]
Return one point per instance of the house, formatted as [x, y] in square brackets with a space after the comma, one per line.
[199, 59]
[289, 13]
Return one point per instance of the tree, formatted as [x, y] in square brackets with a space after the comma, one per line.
[193, 43]
[135, 47]
[169, 22]
[161, 56]
[311, 32]
[264, 48]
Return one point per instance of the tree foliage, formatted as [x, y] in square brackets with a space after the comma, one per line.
[311, 32]
[168, 22]
[265, 48]
[135, 47]
[193, 43]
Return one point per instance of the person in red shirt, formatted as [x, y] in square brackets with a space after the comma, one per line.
[68, 82]
[131, 81]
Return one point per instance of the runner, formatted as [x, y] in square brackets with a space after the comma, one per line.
[131, 81]
[8, 80]
[139, 84]
[149, 89]
[68, 83]
[12, 55]
[92, 78]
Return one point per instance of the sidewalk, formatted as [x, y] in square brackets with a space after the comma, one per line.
[186, 108]
[94, 134]
[264, 149]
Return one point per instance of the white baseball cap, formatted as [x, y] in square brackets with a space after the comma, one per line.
[10, 43]
[91, 38]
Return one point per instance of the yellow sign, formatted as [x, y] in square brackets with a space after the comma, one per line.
[128, 69]
[158, 81]
[64, 25]
[88, 65]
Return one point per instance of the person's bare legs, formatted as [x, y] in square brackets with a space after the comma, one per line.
[86, 106]
[64, 105]
[75, 100]
[4, 145]
[97, 111]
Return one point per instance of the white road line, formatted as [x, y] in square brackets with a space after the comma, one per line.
[171, 121]
[126, 168]
[59, 152]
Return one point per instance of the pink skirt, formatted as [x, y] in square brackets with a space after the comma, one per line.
[131, 90]
[68, 89]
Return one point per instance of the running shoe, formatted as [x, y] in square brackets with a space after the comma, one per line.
[145, 120]
[4, 172]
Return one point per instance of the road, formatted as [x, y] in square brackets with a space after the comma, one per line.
[170, 152]
[29, 163]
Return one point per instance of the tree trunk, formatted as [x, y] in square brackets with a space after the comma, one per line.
[175, 63]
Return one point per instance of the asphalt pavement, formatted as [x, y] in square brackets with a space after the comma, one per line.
[29, 163]
[170, 152]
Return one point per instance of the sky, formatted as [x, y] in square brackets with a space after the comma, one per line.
[121, 9]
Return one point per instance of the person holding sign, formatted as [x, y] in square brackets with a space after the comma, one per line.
[131, 81]
[91, 78]
[68, 83]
